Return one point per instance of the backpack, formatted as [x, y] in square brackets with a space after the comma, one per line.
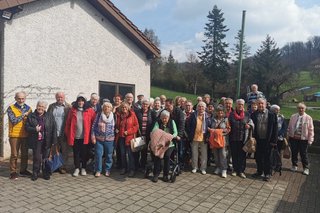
[275, 161]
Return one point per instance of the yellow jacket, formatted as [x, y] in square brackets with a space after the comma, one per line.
[17, 121]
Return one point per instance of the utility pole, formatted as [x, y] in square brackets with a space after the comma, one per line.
[240, 54]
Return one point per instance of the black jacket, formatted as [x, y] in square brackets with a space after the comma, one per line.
[272, 128]
[178, 117]
[50, 134]
[139, 114]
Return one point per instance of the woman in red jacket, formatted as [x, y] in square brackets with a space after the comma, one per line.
[77, 130]
[126, 127]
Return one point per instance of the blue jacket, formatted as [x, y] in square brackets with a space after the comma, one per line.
[193, 124]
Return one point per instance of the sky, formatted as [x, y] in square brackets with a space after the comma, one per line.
[179, 24]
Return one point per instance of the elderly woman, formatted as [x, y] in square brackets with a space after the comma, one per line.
[198, 134]
[168, 125]
[102, 135]
[240, 122]
[282, 129]
[77, 130]
[219, 121]
[42, 135]
[145, 126]
[126, 128]
[301, 135]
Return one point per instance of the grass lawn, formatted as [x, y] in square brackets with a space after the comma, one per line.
[157, 91]
[288, 111]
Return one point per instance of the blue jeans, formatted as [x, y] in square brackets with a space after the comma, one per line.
[126, 150]
[105, 147]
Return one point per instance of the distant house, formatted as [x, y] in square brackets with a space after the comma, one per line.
[71, 46]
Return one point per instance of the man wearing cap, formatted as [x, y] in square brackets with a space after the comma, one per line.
[138, 104]
[18, 113]
[59, 110]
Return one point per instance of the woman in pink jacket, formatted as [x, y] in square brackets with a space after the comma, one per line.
[301, 135]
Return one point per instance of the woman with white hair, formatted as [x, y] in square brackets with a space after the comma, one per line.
[240, 122]
[198, 134]
[282, 128]
[301, 135]
[42, 135]
[168, 125]
[103, 135]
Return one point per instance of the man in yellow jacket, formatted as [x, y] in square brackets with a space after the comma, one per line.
[17, 114]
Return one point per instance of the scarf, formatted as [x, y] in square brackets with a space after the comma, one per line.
[237, 116]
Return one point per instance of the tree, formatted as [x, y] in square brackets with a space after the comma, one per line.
[156, 65]
[192, 72]
[214, 55]
[236, 48]
[269, 71]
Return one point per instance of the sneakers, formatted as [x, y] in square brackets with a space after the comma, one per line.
[233, 174]
[107, 173]
[294, 168]
[194, 171]
[76, 173]
[224, 173]
[306, 171]
[25, 173]
[242, 175]
[83, 172]
[203, 172]
[98, 174]
[217, 171]
[14, 176]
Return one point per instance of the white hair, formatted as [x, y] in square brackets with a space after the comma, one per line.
[240, 101]
[164, 113]
[274, 106]
[42, 102]
[201, 103]
[94, 96]
[301, 105]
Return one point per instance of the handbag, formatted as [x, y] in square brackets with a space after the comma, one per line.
[250, 145]
[287, 152]
[216, 140]
[138, 143]
[54, 161]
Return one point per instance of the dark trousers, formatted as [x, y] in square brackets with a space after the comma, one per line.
[166, 164]
[181, 152]
[126, 150]
[80, 154]
[238, 156]
[262, 156]
[299, 146]
[118, 155]
[40, 153]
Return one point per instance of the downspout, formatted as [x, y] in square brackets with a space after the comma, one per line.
[1, 88]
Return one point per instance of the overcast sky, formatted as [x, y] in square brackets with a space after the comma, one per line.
[179, 24]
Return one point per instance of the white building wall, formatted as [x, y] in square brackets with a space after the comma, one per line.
[68, 46]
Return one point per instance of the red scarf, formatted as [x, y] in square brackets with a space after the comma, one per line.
[237, 116]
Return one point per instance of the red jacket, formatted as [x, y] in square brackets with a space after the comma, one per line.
[71, 124]
[131, 126]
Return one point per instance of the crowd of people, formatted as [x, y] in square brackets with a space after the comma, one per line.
[108, 127]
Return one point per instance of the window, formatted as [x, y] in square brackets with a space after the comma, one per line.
[110, 89]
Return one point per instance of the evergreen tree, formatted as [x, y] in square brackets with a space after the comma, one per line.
[214, 55]
[269, 72]
[236, 48]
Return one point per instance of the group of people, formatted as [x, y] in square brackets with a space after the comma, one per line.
[108, 128]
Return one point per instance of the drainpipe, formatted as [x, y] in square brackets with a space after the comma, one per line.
[1, 88]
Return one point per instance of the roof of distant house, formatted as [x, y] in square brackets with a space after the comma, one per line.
[114, 15]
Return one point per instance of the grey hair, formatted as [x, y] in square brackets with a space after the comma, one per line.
[129, 94]
[240, 101]
[21, 92]
[301, 104]
[164, 113]
[228, 99]
[94, 96]
[145, 100]
[274, 106]
[201, 103]
[259, 100]
[42, 102]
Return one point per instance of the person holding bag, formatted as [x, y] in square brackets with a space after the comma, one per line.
[220, 122]
[126, 127]
[42, 135]
[240, 123]
[102, 136]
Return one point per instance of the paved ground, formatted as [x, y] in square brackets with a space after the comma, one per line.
[291, 192]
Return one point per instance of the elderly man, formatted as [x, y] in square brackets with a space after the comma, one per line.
[301, 135]
[18, 113]
[59, 110]
[94, 102]
[129, 100]
[266, 134]
[253, 95]
[138, 104]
